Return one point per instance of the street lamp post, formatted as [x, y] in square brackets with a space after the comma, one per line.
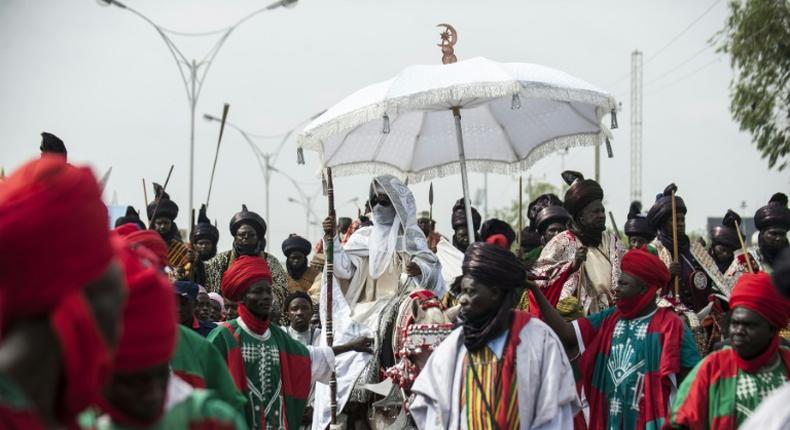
[190, 70]
[266, 161]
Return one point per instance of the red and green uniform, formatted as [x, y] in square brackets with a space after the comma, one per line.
[717, 394]
[200, 410]
[198, 362]
[272, 370]
[628, 366]
[16, 411]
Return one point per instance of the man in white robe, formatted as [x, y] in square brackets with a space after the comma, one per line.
[375, 269]
[534, 385]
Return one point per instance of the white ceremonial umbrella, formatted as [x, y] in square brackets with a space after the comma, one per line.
[410, 126]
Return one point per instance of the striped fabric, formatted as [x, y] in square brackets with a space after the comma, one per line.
[487, 367]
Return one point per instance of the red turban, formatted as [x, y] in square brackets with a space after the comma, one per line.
[650, 270]
[499, 240]
[47, 264]
[645, 266]
[149, 318]
[245, 271]
[152, 241]
[756, 292]
[54, 234]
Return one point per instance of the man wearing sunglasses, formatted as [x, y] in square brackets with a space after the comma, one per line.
[373, 270]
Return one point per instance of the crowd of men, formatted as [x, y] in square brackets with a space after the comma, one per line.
[564, 325]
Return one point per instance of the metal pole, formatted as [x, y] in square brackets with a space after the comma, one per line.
[192, 104]
[267, 178]
[598, 162]
[464, 178]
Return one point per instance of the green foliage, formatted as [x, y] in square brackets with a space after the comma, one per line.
[757, 38]
[509, 213]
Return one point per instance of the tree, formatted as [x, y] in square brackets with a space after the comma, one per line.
[532, 190]
[757, 38]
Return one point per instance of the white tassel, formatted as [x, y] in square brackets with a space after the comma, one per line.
[515, 102]
[386, 127]
[299, 155]
[614, 120]
[609, 148]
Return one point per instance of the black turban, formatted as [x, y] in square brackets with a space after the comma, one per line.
[581, 192]
[662, 208]
[725, 233]
[774, 214]
[530, 239]
[537, 205]
[497, 226]
[131, 217]
[494, 266]
[52, 144]
[459, 215]
[204, 229]
[637, 224]
[551, 214]
[162, 204]
[296, 243]
[250, 218]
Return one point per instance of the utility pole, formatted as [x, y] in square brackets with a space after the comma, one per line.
[636, 125]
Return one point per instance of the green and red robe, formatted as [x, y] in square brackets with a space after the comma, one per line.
[272, 370]
[16, 411]
[719, 395]
[200, 410]
[198, 362]
[628, 367]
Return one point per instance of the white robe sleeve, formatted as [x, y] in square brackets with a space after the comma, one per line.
[322, 362]
[343, 267]
[562, 421]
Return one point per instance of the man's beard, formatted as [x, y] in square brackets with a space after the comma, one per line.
[296, 272]
[242, 249]
[590, 235]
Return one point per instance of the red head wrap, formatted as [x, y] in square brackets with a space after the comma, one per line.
[756, 292]
[77, 252]
[245, 271]
[150, 240]
[47, 200]
[149, 319]
[650, 270]
[499, 240]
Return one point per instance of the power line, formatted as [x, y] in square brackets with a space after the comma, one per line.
[681, 64]
[671, 41]
[690, 74]
[679, 35]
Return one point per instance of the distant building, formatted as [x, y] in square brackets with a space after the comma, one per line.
[747, 227]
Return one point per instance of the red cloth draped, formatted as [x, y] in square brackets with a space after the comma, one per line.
[650, 270]
[757, 293]
[245, 271]
[55, 242]
[149, 318]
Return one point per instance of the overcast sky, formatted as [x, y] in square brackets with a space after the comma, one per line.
[103, 80]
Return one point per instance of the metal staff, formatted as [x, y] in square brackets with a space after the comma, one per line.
[743, 248]
[675, 243]
[216, 154]
[164, 187]
[614, 225]
[430, 202]
[329, 238]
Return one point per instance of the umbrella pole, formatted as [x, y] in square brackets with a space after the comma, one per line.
[464, 177]
[330, 254]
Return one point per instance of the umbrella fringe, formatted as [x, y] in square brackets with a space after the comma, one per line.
[477, 166]
[312, 138]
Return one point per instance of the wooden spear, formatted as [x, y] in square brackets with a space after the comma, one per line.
[145, 193]
[743, 248]
[519, 251]
[164, 187]
[430, 203]
[216, 154]
[329, 238]
[675, 244]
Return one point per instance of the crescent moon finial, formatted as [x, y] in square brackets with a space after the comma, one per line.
[449, 37]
